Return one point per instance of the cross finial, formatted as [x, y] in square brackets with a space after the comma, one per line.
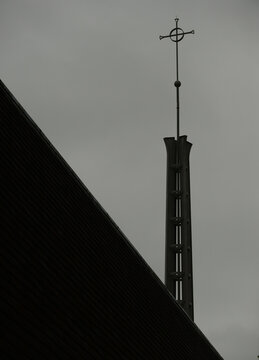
[176, 35]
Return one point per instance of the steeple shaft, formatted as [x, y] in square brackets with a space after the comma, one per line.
[178, 264]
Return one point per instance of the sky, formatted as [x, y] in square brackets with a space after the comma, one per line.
[98, 82]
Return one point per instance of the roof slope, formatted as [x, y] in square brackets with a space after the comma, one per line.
[73, 285]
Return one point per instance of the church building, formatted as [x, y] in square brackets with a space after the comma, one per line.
[73, 286]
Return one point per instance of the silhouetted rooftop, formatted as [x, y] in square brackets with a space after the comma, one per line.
[73, 287]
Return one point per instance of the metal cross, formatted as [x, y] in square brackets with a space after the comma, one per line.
[176, 35]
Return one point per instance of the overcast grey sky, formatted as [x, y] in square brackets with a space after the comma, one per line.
[98, 82]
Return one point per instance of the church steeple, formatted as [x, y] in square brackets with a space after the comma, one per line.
[178, 259]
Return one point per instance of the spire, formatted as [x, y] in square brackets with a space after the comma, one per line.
[178, 255]
[176, 35]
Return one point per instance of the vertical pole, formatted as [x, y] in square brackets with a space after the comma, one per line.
[177, 82]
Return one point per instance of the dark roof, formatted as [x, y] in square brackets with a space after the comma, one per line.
[72, 284]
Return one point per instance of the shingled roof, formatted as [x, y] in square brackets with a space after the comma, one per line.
[72, 284]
